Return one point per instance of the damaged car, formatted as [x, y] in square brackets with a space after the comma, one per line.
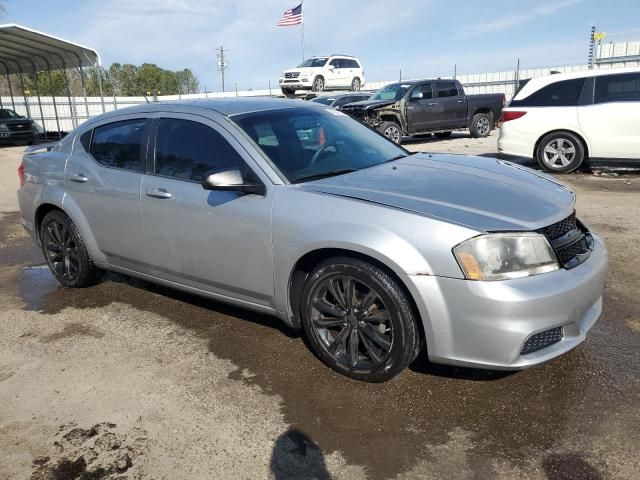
[428, 106]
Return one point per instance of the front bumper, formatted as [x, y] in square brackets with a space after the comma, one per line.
[486, 324]
[21, 136]
[300, 83]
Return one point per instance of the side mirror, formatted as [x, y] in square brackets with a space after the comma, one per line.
[231, 180]
[417, 96]
[331, 67]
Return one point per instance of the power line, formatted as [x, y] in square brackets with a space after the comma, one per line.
[222, 63]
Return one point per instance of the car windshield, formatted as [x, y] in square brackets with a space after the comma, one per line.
[324, 100]
[313, 62]
[308, 143]
[395, 91]
[6, 113]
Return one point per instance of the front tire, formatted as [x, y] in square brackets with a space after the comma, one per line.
[318, 84]
[481, 125]
[560, 152]
[288, 91]
[65, 251]
[358, 320]
[392, 131]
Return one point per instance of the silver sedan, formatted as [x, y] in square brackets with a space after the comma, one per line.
[298, 211]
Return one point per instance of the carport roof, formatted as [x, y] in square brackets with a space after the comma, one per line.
[25, 50]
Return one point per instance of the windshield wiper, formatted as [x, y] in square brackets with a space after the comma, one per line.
[330, 173]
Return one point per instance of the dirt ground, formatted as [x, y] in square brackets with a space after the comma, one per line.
[130, 380]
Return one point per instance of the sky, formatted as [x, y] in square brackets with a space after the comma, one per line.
[423, 38]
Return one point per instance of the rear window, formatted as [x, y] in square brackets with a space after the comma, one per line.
[623, 87]
[447, 89]
[119, 144]
[565, 93]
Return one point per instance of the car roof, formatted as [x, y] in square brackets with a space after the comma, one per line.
[224, 106]
[536, 83]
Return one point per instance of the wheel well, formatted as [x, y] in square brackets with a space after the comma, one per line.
[41, 211]
[580, 137]
[305, 265]
[390, 118]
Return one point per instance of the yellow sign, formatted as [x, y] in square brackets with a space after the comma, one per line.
[599, 35]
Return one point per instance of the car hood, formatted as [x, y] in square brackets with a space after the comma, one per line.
[369, 104]
[484, 194]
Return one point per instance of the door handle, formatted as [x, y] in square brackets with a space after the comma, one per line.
[78, 177]
[158, 193]
[433, 104]
[460, 101]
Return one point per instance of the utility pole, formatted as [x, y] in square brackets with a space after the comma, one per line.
[222, 63]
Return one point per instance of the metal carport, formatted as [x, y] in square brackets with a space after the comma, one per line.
[23, 50]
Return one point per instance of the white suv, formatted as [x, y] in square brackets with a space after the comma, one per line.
[334, 72]
[562, 119]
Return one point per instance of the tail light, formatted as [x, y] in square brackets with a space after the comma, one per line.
[21, 174]
[511, 115]
[504, 101]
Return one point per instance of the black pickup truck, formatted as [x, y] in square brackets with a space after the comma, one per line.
[427, 106]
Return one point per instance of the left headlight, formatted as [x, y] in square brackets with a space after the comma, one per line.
[3, 127]
[499, 256]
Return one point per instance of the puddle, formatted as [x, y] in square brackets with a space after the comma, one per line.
[387, 428]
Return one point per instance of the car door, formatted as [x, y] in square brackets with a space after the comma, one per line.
[451, 106]
[217, 241]
[333, 73]
[103, 178]
[421, 108]
[611, 121]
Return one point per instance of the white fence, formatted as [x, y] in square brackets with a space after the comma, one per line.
[71, 111]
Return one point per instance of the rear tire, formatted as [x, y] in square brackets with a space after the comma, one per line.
[355, 85]
[65, 252]
[368, 330]
[560, 152]
[443, 134]
[392, 131]
[481, 125]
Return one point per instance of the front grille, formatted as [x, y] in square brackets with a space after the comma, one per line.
[356, 112]
[292, 75]
[570, 240]
[542, 340]
[559, 229]
[19, 126]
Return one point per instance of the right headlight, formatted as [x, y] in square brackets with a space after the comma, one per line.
[499, 256]
[3, 127]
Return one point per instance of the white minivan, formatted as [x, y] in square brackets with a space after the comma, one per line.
[563, 119]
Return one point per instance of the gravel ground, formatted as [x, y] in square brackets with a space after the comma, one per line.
[131, 380]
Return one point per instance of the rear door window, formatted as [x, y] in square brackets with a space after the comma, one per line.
[565, 93]
[446, 89]
[187, 150]
[120, 144]
[624, 87]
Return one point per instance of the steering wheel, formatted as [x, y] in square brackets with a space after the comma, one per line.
[322, 148]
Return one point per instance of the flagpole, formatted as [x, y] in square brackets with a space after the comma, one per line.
[302, 28]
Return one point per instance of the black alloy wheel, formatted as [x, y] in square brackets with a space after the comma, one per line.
[358, 320]
[65, 252]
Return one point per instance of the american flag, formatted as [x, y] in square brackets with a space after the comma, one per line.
[293, 16]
